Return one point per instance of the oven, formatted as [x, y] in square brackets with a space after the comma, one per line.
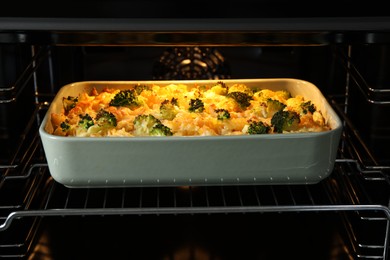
[344, 216]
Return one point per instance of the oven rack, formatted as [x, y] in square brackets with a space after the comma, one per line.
[26, 179]
[345, 192]
[372, 95]
[10, 94]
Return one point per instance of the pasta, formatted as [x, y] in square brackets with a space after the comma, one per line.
[182, 110]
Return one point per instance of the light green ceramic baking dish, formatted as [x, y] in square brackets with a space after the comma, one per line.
[301, 158]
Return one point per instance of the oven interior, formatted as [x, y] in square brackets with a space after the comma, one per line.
[345, 216]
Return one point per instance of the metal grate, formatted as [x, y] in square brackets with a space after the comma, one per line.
[9, 94]
[28, 192]
[377, 96]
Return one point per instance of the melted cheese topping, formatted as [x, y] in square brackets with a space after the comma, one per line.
[182, 121]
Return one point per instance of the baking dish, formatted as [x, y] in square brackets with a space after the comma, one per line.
[294, 158]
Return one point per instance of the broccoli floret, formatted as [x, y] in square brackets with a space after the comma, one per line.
[143, 124]
[241, 88]
[69, 102]
[220, 88]
[105, 119]
[285, 121]
[168, 110]
[160, 130]
[65, 126]
[308, 107]
[284, 94]
[196, 105]
[150, 125]
[202, 88]
[242, 99]
[258, 127]
[274, 106]
[139, 88]
[222, 114]
[85, 121]
[125, 98]
[223, 85]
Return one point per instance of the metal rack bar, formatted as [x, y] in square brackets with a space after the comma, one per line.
[26, 146]
[364, 152]
[10, 94]
[277, 205]
[372, 95]
[188, 210]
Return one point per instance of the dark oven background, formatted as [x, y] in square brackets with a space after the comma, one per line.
[227, 222]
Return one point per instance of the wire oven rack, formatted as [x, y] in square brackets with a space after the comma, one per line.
[28, 193]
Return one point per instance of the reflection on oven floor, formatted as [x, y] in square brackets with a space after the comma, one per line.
[193, 237]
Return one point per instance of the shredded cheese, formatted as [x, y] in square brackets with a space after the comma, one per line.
[180, 118]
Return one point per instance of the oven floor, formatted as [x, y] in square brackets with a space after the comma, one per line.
[194, 237]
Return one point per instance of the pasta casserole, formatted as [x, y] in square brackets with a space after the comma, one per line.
[183, 110]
